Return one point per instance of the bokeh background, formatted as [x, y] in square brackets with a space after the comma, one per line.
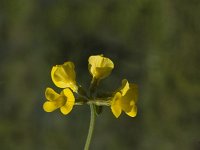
[153, 43]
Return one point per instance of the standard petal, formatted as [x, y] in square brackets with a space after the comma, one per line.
[50, 94]
[70, 96]
[64, 75]
[106, 62]
[102, 72]
[125, 87]
[99, 66]
[57, 78]
[68, 106]
[115, 105]
[69, 69]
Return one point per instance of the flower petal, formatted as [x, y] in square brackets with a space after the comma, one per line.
[64, 75]
[50, 94]
[129, 99]
[99, 66]
[133, 111]
[50, 106]
[70, 96]
[125, 87]
[134, 88]
[65, 109]
[102, 72]
[115, 105]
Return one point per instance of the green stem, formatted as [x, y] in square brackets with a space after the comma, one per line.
[91, 127]
[99, 102]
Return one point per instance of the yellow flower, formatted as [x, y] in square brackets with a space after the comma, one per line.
[65, 100]
[64, 76]
[99, 66]
[125, 99]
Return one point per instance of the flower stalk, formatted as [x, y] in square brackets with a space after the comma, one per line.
[99, 102]
[91, 127]
[92, 114]
[95, 102]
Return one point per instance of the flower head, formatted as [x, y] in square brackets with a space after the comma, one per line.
[64, 76]
[65, 100]
[99, 66]
[125, 100]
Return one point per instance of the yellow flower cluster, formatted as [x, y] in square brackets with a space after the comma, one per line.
[64, 76]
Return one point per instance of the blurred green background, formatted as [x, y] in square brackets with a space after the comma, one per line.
[153, 43]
